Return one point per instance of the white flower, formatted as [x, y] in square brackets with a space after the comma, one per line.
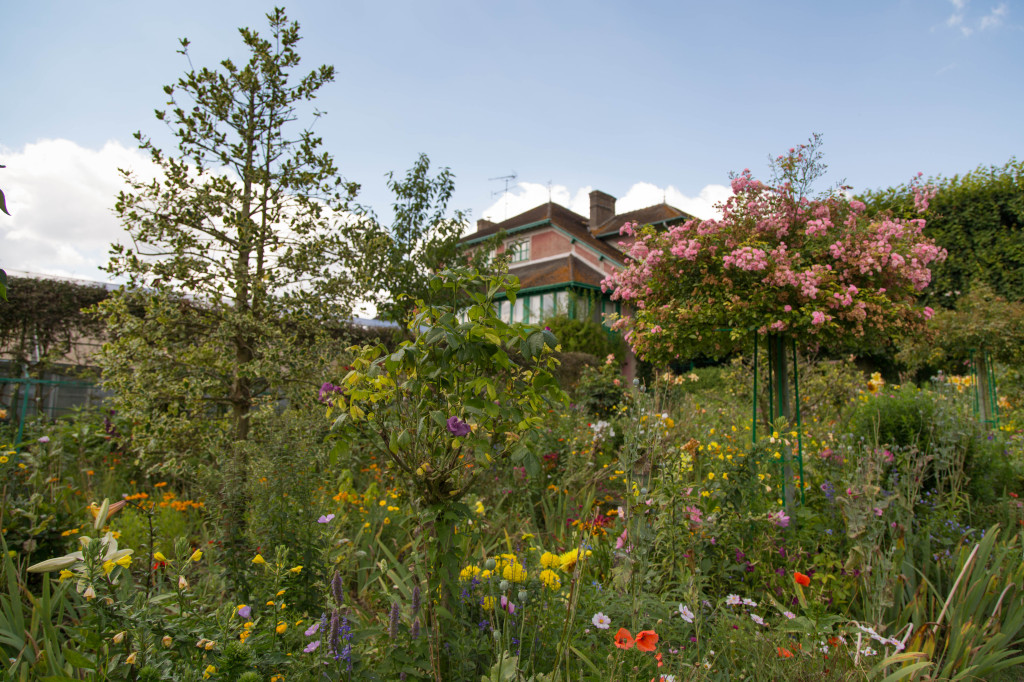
[789, 614]
[601, 621]
[867, 651]
[900, 646]
[733, 600]
[757, 619]
[750, 602]
[686, 613]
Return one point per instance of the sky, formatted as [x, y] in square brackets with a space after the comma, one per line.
[647, 101]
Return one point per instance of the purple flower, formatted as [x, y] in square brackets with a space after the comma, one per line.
[457, 427]
[312, 630]
[312, 646]
[44, 439]
[325, 519]
[780, 519]
[245, 611]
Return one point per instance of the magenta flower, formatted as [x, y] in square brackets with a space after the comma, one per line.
[457, 427]
[44, 439]
[325, 519]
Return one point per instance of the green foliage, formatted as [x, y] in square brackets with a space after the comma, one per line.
[585, 336]
[978, 218]
[44, 320]
[422, 240]
[601, 389]
[981, 321]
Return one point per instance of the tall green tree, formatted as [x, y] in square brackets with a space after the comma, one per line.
[240, 258]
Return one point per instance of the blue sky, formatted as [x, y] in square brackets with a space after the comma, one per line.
[642, 101]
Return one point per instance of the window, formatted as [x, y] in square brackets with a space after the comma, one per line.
[547, 305]
[519, 250]
[517, 311]
[505, 312]
[562, 303]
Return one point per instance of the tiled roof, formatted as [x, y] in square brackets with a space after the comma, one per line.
[572, 223]
[549, 211]
[562, 270]
[641, 216]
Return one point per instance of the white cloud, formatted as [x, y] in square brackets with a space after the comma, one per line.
[61, 198]
[994, 18]
[527, 195]
[991, 20]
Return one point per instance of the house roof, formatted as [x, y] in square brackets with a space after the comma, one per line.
[550, 213]
[568, 270]
[642, 216]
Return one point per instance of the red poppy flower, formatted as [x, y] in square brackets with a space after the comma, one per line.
[646, 640]
[657, 657]
[623, 639]
[802, 579]
[784, 653]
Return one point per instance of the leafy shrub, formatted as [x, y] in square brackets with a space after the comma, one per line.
[585, 336]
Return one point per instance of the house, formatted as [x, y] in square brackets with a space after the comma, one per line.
[560, 257]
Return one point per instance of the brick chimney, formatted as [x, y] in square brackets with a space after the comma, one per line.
[602, 208]
[483, 224]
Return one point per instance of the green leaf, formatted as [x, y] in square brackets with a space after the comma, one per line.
[3, 203]
[78, 659]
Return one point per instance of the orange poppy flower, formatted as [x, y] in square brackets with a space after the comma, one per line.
[658, 659]
[646, 640]
[623, 639]
[802, 579]
[784, 653]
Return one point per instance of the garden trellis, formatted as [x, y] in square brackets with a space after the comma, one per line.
[778, 406]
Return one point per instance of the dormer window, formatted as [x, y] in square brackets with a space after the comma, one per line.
[519, 250]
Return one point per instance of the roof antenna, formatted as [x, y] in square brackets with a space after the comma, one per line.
[549, 191]
[508, 180]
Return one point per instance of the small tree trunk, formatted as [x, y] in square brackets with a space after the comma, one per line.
[779, 397]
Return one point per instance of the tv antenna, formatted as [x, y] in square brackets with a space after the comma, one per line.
[509, 179]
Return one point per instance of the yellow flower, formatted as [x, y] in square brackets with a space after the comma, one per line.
[568, 560]
[182, 583]
[65, 574]
[711, 475]
[296, 569]
[479, 509]
[209, 646]
[550, 579]
[488, 603]
[549, 560]
[281, 627]
[280, 592]
[124, 561]
[469, 572]
[167, 641]
[119, 637]
[159, 556]
[210, 670]
[108, 566]
[514, 572]
[258, 559]
[4, 459]
[89, 593]
[131, 658]
[196, 555]
[485, 574]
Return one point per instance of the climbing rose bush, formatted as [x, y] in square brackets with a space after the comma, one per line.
[819, 269]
